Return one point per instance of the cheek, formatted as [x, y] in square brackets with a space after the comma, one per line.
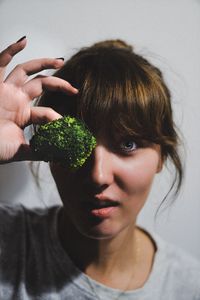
[138, 173]
[136, 189]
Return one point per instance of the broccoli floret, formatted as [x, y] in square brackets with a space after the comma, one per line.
[66, 140]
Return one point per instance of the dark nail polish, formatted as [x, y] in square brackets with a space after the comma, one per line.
[60, 58]
[21, 39]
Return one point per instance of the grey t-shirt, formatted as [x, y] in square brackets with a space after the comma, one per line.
[33, 265]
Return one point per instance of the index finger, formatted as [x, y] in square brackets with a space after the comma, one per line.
[21, 72]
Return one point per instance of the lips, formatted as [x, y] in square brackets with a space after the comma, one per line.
[101, 207]
[104, 212]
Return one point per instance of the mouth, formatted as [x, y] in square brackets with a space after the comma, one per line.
[98, 204]
[101, 208]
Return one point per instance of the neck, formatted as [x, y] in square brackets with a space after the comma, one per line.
[104, 256]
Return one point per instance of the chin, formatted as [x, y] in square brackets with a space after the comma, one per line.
[97, 235]
[101, 231]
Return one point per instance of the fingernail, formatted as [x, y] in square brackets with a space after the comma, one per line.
[21, 39]
[60, 58]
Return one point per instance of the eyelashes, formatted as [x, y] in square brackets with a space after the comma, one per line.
[128, 146]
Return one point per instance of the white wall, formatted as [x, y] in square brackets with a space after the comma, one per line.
[166, 32]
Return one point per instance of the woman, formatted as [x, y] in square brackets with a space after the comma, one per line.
[91, 248]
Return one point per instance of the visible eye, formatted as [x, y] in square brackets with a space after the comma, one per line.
[128, 146]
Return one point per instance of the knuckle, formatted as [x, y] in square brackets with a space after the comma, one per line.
[46, 63]
[11, 50]
[60, 86]
[43, 65]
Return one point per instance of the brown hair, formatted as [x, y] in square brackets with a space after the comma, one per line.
[121, 93]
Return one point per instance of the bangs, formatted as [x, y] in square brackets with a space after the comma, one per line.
[117, 97]
[116, 102]
[107, 107]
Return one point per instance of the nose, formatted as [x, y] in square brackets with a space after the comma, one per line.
[101, 173]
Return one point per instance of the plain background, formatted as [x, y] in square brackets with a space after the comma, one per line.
[165, 32]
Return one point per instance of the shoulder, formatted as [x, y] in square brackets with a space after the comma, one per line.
[177, 258]
[19, 215]
[22, 228]
[182, 268]
[178, 270]
[19, 209]
[172, 253]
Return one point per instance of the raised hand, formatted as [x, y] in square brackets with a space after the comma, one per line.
[16, 94]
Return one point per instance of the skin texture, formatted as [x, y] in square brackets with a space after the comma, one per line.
[125, 177]
[16, 94]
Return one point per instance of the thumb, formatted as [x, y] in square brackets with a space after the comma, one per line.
[39, 115]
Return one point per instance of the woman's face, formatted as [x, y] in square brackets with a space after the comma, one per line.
[105, 196]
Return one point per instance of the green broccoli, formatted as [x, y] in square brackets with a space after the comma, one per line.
[66, 140]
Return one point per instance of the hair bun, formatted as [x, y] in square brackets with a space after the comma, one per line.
[114, 44]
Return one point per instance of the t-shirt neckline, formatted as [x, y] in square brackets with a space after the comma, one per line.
[81, 280]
